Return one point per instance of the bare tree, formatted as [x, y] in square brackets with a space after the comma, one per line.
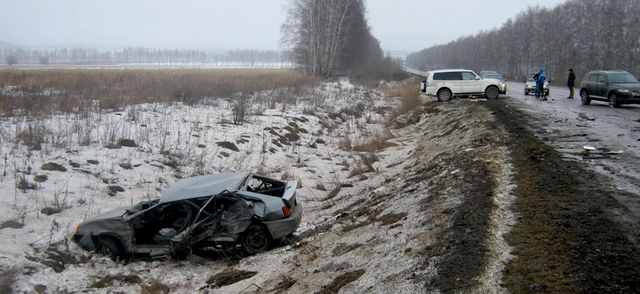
[329, 37]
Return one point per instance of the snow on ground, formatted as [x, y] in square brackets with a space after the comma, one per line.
[309, 138]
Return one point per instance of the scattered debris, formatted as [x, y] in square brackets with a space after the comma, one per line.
[591, 152]
[600, 150]
[584, 116]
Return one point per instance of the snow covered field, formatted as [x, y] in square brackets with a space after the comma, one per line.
[59, 170]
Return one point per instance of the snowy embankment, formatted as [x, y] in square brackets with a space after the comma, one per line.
[61, 169]
[383, 206]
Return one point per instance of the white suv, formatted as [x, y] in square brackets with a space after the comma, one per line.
[447, 83]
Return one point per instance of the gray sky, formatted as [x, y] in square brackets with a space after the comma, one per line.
[409, 25]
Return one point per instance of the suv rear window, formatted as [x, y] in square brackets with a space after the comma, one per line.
[449, 76]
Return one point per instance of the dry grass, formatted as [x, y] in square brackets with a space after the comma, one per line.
[229, 277]
[376, 144]
[155, 287]
[364, 164]
[334, 192]
[8, 277]
[45, 91]
[341, 281]
[409, 94]
[286, 283]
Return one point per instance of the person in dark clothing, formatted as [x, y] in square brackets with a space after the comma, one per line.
[540, 78]
[571, 83]
[536, 78]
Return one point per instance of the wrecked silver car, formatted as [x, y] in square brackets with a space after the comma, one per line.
[220, 210]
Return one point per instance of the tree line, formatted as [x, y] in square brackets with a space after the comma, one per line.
[580, 34]
[333, 38]
[322, 37]
[142, 56]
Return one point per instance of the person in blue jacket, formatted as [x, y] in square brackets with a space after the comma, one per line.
[540, 84]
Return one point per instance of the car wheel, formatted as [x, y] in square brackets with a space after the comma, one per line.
[526, 93]
[444, 95]
[255, 239]
[492, 92]
[613, 100]
[584, 97]
[109, 247]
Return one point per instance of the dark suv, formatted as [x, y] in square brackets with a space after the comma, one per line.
[614, 86]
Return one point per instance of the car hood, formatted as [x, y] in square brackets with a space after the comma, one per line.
[112, 214]
[528, 83]
[631, 86]
[203, 186]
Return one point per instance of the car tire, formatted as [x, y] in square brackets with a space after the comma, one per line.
[492, 92]
[444, 95]
[110, 248]
[526, 93]
[584, 97]
[613, 100]
[255, 239]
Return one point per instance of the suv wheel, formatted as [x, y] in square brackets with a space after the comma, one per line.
[584, 96]
[492, 92]
[444, 95]
[613, 100]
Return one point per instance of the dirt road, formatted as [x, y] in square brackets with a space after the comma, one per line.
[578, 217]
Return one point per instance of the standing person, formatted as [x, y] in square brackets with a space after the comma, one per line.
[571, 83]
[536, 78]
[540, 84]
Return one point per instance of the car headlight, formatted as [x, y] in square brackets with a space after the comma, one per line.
[624, 91]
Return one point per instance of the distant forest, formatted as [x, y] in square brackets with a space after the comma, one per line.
[579, 34]
[143, 56]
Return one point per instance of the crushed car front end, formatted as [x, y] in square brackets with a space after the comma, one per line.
[106, 229]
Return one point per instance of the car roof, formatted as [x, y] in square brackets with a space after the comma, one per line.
[203, 186]
[449, 70]
[608, 71]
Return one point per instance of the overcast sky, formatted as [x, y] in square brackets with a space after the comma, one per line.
[409, 25]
